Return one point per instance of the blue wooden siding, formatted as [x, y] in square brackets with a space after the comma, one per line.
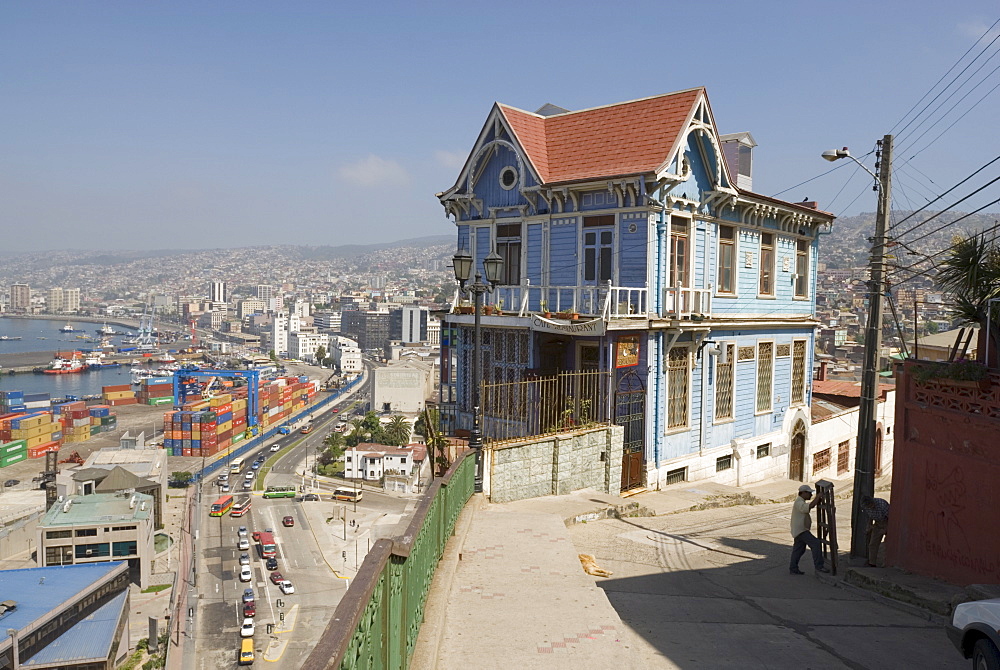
[632, 249]
[747, 424]
[487, 187]
[532, 241]
[483, 239]
[463, 237]
[563, 256]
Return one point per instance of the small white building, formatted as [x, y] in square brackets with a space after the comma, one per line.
[303, 345]
[370, 461]
[403, 386]
[347, 356]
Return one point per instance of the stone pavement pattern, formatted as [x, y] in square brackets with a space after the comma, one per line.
[691, 589]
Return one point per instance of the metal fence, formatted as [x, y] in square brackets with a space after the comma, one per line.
[375, 625]
[542, 405]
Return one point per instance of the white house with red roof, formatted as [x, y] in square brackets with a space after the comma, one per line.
[634, 245]
[371, 461]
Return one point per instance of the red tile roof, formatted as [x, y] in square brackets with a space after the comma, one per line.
[621, 139]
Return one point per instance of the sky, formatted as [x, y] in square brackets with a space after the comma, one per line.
[153, 125]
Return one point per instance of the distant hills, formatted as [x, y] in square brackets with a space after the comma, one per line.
[848, 246]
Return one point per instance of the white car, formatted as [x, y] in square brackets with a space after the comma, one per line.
[243, 544]
[247, 629]
[225, 488]
[246, 574]
[975, 632]
[244, 559]
[242, 532]
[275, 447]
[250, 475]
[286, 587]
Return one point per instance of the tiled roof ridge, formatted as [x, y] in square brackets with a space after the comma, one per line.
[597, 107]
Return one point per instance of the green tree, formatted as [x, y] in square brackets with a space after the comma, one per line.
[971, 274]
[274, 356]
[358, 434]
[320, 355]
[181, 478]
[398, 431]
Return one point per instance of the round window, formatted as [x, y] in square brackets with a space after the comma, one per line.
[508, 178]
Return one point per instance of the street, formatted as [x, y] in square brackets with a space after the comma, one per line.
[319, 554]
[711, 589]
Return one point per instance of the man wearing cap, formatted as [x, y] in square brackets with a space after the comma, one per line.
[801, 521]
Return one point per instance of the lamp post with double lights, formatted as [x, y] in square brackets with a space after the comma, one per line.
[492, 267]
[864, 460]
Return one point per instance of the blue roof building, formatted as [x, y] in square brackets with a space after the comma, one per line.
[73, 616]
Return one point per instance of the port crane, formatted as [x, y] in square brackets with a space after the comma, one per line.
[186, 384]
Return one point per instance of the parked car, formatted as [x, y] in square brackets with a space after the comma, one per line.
[246, 574]
[271, 563]
[244, 559]
[286, 587]
[248, 596]
[12, 482]
[250, 609]
[975, 632]
[287, 521]
[277, 578]
[247, 629]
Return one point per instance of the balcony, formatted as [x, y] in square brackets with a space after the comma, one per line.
[598, 301]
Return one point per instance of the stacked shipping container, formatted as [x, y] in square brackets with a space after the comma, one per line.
[120, 394]
[204, 428]
[156, 391]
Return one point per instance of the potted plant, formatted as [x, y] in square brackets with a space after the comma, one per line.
[568, 314]
[464, 309]
[488, 310]
[963, 373]
[544, 305]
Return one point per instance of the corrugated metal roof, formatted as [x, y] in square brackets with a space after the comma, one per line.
[88, 639]
[41, 590]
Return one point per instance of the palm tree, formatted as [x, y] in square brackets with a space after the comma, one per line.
[971, 274]
[398, 430]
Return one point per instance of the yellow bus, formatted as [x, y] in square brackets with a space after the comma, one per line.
[236, 465]
[246, 652]
[350, 495]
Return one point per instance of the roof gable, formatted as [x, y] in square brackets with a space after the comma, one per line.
[620, 139]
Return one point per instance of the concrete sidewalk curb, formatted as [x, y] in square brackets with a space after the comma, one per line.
[427, 649]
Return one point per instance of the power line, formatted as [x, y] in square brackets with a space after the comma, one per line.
[926, 273]
[981, 37]
[957, 202]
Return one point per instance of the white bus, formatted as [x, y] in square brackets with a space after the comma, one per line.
[236, 465]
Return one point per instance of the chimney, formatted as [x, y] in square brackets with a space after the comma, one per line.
[822, 371]
[811, 204]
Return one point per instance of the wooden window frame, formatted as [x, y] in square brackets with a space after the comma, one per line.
[731, 386]
[767, 268]
[679, 428]
[757, 395]
[731, 244]
[802, 278]
[792, 400]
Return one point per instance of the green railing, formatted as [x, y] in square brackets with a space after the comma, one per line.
[375, 625]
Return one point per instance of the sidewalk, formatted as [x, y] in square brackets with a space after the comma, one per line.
[510, 590]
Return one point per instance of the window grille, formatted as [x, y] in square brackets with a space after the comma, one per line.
[765, 376]
[747, 353]
[724, 463]
[677, 476]
[799, 373]
[724, 384]
[763, 450]
[782, 351]
[678, 388]
[843, 457]
[821, 460]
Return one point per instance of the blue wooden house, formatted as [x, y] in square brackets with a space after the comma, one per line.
[633, 245]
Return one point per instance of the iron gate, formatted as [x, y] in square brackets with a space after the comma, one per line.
[630, 413]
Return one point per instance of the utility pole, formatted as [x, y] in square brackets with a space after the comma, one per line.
[864, 462]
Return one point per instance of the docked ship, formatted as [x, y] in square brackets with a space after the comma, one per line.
[68, 328]
[106, 330]
[138, 374]
[96, 361]
[65, 366]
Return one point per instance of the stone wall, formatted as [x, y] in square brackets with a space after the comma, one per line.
[555, 464]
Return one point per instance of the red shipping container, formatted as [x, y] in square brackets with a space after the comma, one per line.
[117, 388]
[186, 452]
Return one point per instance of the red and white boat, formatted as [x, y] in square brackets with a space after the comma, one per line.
[66, 366]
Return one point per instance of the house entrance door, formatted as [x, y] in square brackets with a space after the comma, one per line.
[630, 413]
[797, 457]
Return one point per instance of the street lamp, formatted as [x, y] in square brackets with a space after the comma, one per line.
[864, 461]
[492, 266]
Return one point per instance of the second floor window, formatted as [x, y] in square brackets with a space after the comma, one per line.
[766, 264]
[678, 252]
[597, 248]
[727, 259]
[802, 269]
[509, 248]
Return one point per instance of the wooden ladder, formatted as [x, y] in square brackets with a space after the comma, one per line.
[826, 523]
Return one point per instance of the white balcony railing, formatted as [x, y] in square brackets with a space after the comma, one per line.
[605, 301]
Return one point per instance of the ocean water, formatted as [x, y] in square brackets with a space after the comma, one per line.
[44, 335]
